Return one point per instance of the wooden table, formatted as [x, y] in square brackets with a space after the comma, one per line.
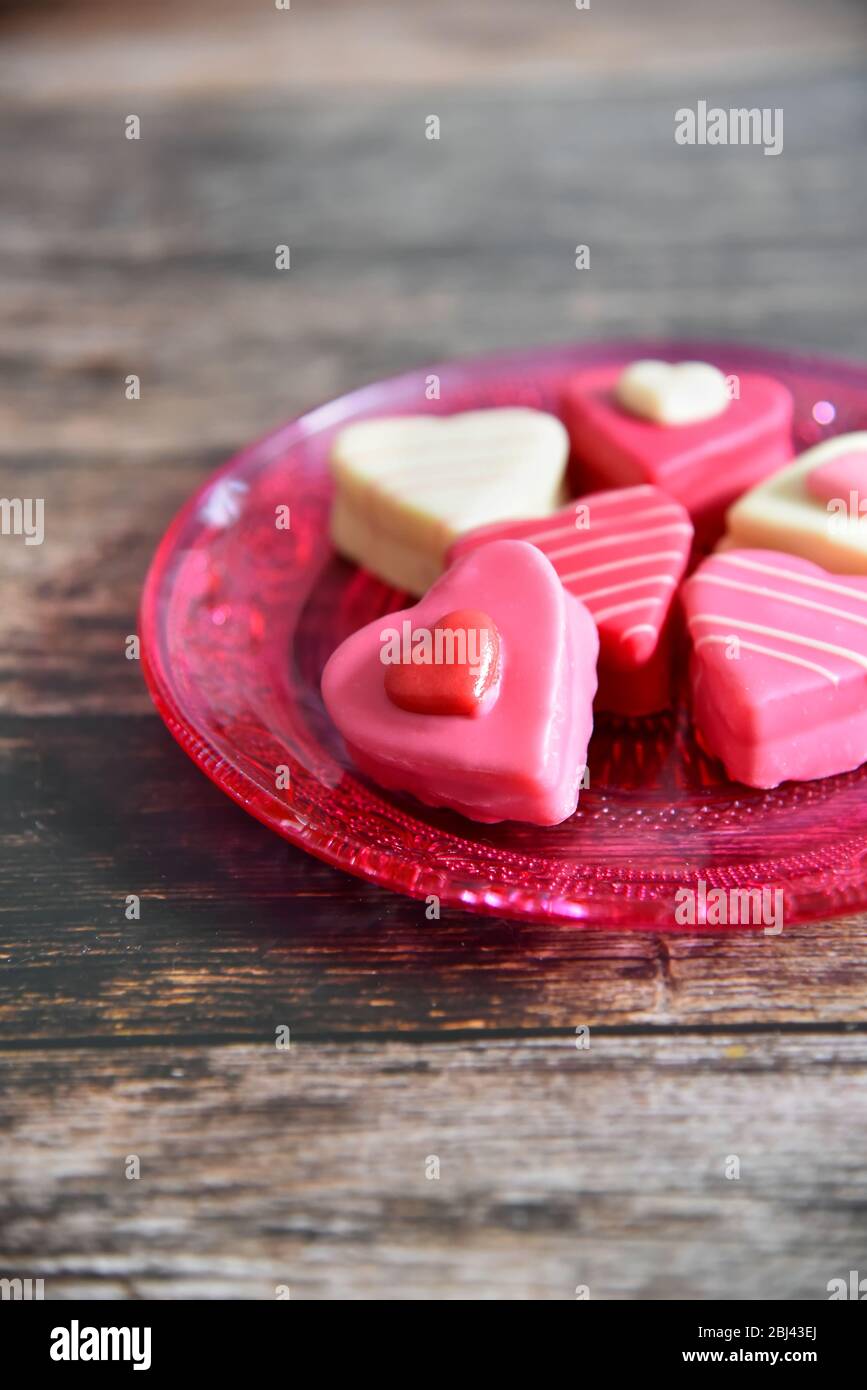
[309, 1166]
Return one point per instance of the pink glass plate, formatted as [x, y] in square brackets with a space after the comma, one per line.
[239, 616]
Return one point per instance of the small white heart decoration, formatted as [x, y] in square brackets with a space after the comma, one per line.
[672, 393]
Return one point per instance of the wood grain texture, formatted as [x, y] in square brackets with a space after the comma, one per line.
[410, 1037]
[558, 1167]
[240, 932]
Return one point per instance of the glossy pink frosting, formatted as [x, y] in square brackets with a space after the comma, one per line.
[779, 666]
[624, 561]
[524, 757]
[704, 465]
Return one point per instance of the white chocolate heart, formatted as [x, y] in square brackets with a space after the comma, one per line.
[672, 393]
[408, 486]
[785, 513]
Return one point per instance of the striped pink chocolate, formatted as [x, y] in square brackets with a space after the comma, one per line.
[779, 666]
[622, 553]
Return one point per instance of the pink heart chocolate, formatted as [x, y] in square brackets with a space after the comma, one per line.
[705, 465]
[522, 756]
[779, 666]
[622, 553]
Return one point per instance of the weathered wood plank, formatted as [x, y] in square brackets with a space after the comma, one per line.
[70, 603]
[240, 932]
[204, 48]
[306, 1168]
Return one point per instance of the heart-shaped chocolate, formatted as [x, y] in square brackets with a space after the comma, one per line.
[448, 669]
[815, 507]
[407, 487]
[779, 666]
[704, 462]
[622, 553]
[522, 757]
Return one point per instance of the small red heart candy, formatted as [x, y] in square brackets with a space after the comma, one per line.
[447, 670]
